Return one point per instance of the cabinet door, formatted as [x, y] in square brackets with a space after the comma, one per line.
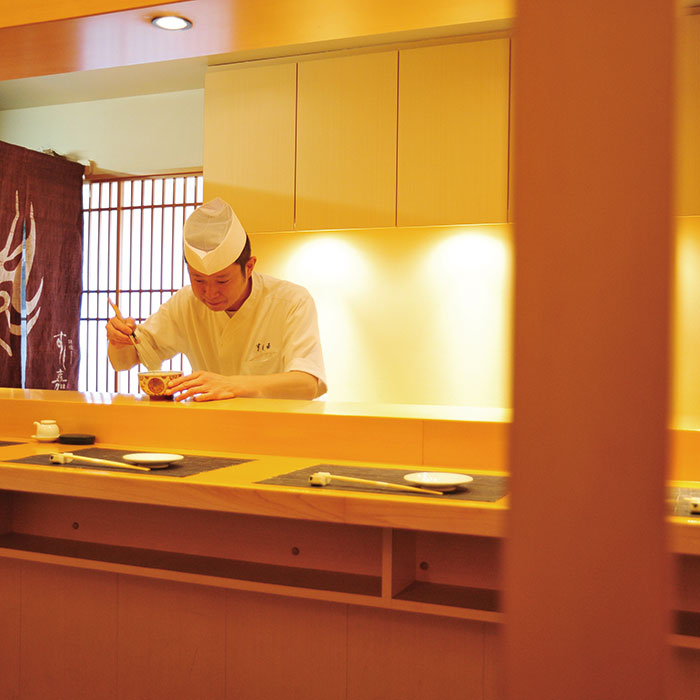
[453, 133]
[346, 162]
[688, 117]
[249, 141]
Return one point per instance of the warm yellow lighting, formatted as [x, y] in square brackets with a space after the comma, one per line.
[172, 23]
[470, 294]
[412, 315]
[330, 264]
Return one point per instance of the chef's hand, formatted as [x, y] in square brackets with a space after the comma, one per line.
[207, 386]
[118, 331]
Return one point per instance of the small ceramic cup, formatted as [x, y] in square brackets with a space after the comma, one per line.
[46, 430]
[155, 383]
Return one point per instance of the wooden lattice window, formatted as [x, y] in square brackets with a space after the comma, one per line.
[132, 253]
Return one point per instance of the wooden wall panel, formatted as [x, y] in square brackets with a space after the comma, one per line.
[9, 628]
[285, 648]
[453, 134]
[684, 673]
[249, 142]
[172, 640]
[69, 632]
[189, 426]
[413, 657]
[688, 116]
[346, 157]
[466, 445]
[494, 663]
[593, 163]
[5, 511]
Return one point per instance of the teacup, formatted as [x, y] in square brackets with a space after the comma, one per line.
[155, 383]
[46, 430]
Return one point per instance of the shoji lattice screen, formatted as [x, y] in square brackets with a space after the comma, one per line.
[133, 254]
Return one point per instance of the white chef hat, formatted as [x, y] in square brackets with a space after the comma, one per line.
[213, 237]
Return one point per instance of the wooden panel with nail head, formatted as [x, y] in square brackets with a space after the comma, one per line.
[266, 540]
[461, 561]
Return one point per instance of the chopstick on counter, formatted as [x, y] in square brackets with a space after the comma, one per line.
[324, 478]
[68, 457]
[118, 314]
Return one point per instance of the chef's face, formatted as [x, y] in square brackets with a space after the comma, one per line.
[225, 290]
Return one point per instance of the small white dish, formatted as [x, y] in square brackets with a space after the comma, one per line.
[441, 481]
[44, 438]
[152, 459]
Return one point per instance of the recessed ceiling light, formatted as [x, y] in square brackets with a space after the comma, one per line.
[171, 22]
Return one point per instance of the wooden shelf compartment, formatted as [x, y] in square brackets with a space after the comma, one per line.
[438, 572]
[137, 561]
[224, 549]
[686, 629]
[430, 573]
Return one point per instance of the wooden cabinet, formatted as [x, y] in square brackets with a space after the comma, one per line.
[249, 143]
[410, 138]
[453, 133]
[688, 117]
[346, 131]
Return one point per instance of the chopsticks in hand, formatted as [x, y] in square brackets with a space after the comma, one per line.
[118, 314]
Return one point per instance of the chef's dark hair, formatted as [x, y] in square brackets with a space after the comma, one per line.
[243, 258]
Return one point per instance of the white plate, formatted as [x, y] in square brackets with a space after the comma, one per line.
[442, 481]
[152, 459]
[42, 438]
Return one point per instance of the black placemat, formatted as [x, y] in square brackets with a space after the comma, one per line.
[190, 465]
[5, 443]
[483, 488]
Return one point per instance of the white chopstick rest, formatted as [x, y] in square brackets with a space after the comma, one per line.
[325, 478]
[320, 479]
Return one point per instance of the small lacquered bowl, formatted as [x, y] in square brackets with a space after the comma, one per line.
[155, 383]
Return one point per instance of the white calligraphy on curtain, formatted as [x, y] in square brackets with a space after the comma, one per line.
[65, 353]
[14, 276]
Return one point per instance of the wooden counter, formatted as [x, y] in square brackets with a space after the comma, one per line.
[376, 578]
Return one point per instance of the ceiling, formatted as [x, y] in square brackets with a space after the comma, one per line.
[118, 54]
[107, 83]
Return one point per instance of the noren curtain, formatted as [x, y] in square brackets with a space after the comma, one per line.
[40, 233]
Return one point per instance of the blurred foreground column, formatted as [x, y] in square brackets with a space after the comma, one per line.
[586, 580]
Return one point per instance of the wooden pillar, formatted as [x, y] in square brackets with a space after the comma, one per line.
[586, 581]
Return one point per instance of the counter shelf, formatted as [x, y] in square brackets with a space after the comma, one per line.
[225, 529]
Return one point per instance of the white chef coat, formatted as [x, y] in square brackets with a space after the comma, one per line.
[275, 330]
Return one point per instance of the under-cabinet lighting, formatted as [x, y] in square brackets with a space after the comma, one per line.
[171, 22]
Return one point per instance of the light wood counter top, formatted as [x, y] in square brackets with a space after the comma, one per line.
[234, 489]
[282, 436]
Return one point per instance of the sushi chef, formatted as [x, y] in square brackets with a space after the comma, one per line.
[245, 334]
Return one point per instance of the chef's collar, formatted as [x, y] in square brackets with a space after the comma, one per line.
[255, 289]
